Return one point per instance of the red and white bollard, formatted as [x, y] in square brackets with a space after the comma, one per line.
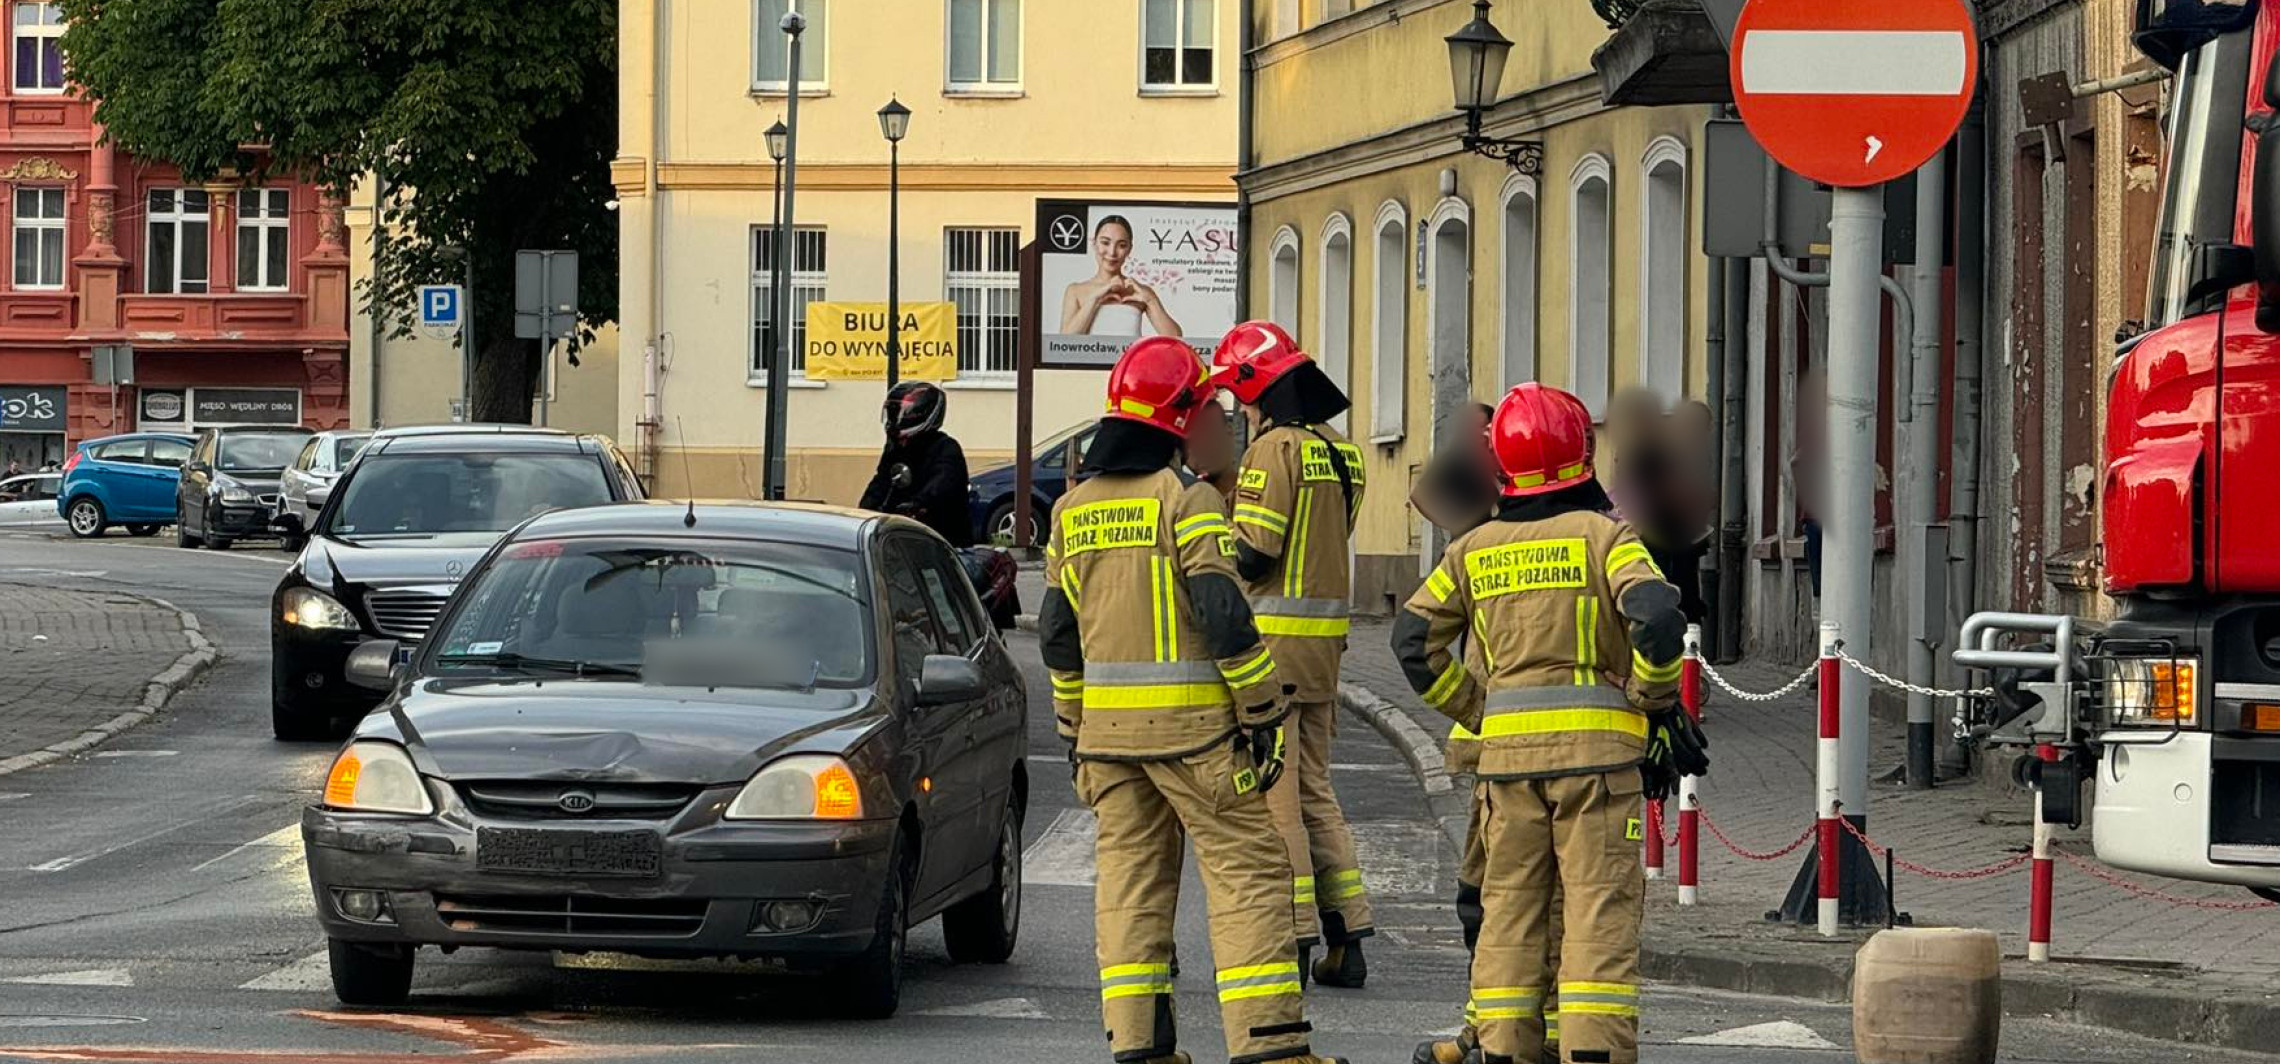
[2039, 896]
[1689, 795]
[1825, 786]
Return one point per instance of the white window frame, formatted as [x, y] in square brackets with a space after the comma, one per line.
[41, 32]
[1289, 19]
[1177, 87]
[816, 39]
[1666, 294]
[178, 218]
[1520, 312]
[1439, 331]
[986, 87]
[815, 282]
[1389, 325]
[55, 228]
[267, 227]
[982, 283]
[1285, 267]
[1334, 310]
[1593, 391]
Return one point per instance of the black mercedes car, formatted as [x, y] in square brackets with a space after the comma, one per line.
[228, 487]
[683, 731]
[415, 510]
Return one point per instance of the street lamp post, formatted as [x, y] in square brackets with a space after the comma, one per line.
[780, 375]
[894, 121]
[1476, 64]
[776, 268]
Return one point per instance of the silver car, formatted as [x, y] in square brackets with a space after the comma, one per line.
[306, 483]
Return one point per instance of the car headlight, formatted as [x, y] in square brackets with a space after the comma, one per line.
[802, 787]
[376, 777]
[2153, 691]
[304, 607]
[232, 493]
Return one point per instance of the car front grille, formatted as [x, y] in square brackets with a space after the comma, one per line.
[541, 800]
[270, 501]
[572, 914]
[403, 614]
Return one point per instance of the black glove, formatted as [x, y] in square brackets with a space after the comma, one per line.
[1675, 747]
[1265, 749]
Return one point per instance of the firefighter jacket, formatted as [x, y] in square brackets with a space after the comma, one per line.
[1293, 517]
[1579, 638]
[1152, 648]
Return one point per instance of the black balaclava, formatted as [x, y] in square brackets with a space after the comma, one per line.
[1587, 496]
[1303, 396]
[1126, 446]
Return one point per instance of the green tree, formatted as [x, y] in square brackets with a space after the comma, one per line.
[491, 122]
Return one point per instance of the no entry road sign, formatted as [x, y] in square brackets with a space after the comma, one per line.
[1854, 93]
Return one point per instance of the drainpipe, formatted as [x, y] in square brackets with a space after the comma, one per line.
[379, 251]
[1970, 316]
[653, 352]
[1243, 131]
[1716, 578]
[1922, 468]
[1733, 478]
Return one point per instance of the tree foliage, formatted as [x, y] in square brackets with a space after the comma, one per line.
[491, 124]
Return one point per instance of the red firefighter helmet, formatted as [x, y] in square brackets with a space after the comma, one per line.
[1252, 356]
[1160, 381]
[1542, 440]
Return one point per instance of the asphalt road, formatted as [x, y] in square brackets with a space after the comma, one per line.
[154, 907]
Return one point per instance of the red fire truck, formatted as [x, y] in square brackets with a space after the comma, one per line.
[2171, 711]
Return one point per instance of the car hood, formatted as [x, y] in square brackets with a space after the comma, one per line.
[261, 482]
[614, 731]
[438, 559]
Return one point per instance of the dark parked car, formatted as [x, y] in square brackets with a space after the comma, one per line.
[228, 488]
[412, 514]
[779, 732]
[991, 493]
[122, 480]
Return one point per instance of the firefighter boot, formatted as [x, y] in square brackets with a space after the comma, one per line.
[1175, 1057]
[1341, 965]
[1463, 1049]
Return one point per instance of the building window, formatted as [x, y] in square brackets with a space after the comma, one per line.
[772, 47]
[263, 229]
[1590, 302]
[1389, 349]
[1662, 333]
[1178, 42]
[1334, 341]
[39, 238]
[1282, 280]
[180, 225]
[985, 44]
[1519, 326]
[39, 47]
[983, 277]
[807, 279]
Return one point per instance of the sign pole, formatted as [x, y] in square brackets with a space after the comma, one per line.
[1856, 239]
[780, 374]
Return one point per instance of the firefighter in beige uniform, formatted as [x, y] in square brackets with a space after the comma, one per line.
[1294, 505]
[1580, 639]
[1173, 705]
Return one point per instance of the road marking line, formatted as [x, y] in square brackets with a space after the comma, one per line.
[1063, 855]
[74, 860]
[136, 753]
[289, 835]
[89, 977]
[1780, 1034]
[13, 797]
[998, 1009]
[313, 972]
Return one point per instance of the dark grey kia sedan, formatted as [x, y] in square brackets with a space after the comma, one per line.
[684, 731]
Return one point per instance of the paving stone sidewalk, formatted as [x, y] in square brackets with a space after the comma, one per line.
[72, 662]
[1760, 791]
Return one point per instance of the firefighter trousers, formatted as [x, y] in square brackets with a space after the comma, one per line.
[1472, 869]
[1142, 808]
[1338, 891]
[1283, 802]
[1576, 837]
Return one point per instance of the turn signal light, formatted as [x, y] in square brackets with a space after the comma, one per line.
[836, 796]
[2173, 692]
[2260, 717]
[340, 787]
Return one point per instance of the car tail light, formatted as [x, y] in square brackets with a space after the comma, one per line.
[72, 461]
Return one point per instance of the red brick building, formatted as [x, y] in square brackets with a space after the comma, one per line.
[233, 293]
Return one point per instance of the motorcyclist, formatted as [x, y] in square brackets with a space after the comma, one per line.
[922, 471]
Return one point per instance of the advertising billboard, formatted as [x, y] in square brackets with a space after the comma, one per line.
[1114, 271]
[848, 341]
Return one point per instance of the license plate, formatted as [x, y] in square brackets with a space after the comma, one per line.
[568, 853]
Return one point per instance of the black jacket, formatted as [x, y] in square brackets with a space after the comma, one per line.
[936, 495]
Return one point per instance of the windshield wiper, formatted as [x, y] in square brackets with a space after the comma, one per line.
[510, 660]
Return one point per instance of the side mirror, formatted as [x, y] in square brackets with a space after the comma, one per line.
[2218, 269]
[372, 665]
[947, 678]
[316, 497]
[286, 523]
[2264, 224]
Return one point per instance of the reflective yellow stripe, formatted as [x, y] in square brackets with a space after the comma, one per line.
[1302, 889]
[1070, 585]
[1134, 407]
[1135, 980]
[1445, 685]
[1160, 586]
[1646, 670]
[1440, 585]
[1071, 687]
[1250, 672]
[1294, 553]
[1503, 1003]
[1197, 527]
[1229, 975]
[1121, 970]
[1316, 626]
[1586, 641]
[1480, 630]
[1553, 721]
[1614, 989]
[1253, 514]
[1347, 884]
[1159, 696]
[1628, 553]
[1244, 993]
[1460, 733]
[1599, 1008]
[1258, 980]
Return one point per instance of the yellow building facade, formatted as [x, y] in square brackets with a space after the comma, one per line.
[1013, 101]
[1425, 276]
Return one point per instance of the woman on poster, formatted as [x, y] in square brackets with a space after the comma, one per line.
[1109, 303]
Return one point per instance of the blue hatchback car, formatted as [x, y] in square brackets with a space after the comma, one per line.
[122, 480]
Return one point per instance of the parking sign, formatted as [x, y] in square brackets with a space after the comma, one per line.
[442, 310]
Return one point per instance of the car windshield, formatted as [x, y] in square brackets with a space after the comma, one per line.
[417, 495]
[345, 449]
[246, 452]
[695, 613]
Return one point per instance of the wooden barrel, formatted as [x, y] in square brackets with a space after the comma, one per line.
[1931, 995]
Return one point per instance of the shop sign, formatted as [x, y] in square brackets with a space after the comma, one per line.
[33, 409]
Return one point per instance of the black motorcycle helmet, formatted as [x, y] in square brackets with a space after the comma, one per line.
[912, 407]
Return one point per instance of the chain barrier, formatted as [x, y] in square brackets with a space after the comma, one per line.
[1871, 672]
[1779, 692]
[1751, 855]
[1982, 872]
[2095, 871]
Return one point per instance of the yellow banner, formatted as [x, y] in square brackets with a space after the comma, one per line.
[848, 341]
